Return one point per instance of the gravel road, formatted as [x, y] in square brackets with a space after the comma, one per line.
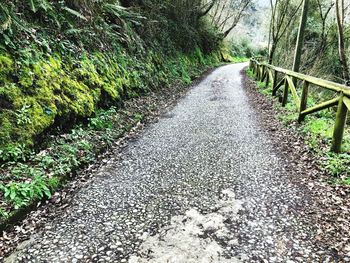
[204, 184]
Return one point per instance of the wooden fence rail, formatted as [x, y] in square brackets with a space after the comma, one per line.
[287, 79]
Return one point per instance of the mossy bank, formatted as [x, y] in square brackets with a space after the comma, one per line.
[67, 69]
[58, 91]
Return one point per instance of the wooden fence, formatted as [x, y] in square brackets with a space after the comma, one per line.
[287, 79]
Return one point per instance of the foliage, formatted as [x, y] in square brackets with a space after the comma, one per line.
[320, 56]
[64, 64]
[317, 130]
[62, 61]
[20, 194]
[250, 73]
[337, 164]
[245, 49]
[13, 152]
[102, 119]
[26, 181]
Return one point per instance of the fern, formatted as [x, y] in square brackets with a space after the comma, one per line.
[12, 21]
[7, 24]
[75, 13]
[32, 6]
[123, 13]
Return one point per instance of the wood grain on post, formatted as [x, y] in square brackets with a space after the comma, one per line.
[263, 69]
[294, 92]
[303, 100]
[262, 73]
[270, 76]
[267, 80]
[274, 83]
[339, 125]
[321, 106]
[285, 93]
[280, 84]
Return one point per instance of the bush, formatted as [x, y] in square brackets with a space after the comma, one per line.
[243, 48]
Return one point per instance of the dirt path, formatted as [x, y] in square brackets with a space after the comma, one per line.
[204, 184]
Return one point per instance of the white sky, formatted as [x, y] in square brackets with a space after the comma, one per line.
[263, 3]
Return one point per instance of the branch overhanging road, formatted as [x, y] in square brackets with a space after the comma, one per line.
[204, 184]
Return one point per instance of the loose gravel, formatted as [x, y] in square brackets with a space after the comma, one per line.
[207, 168]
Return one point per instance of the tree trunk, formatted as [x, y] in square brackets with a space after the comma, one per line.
[341, 41]
[207, 10]
[228, 31]
[300, 39]
[272, 51]
[270, 32]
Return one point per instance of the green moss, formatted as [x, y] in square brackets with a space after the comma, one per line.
[77, 97]
[6, 63]
[50, 87]
[320, 127]
[6, 126]
[10, 93]
[26, 78]
[42, 115]
[6, 68]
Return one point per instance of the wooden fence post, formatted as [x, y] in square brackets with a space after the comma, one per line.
[339, 125]
[274, 83]
[285, 93]
[263, 71]
[303, 100]
[267, 77]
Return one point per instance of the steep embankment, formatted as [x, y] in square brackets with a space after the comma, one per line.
[68, 63]
[55, 70]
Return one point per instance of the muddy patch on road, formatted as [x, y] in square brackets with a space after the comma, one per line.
[194, 237]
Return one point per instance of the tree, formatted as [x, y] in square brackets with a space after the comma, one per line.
[300, 39]
[226, 14]
[206, 8]
[340, 16]
[324, 9]
[283, 13]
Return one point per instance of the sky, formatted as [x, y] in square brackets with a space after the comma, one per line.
[263, 3]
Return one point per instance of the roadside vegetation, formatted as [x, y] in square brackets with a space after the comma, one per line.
[29, 174]
[312, 37]
[317, 131]
[326, 37]
[71, 70]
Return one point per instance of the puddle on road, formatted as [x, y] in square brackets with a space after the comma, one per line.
[193, 237]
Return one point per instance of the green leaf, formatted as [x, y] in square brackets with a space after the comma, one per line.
[32, 6]
[47, 191]
[7, 192]
[75, 13]
[12, 195]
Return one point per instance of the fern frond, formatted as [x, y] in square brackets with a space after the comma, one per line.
[7, 24]
[32, 6]
[75, 13]
[123, 13]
